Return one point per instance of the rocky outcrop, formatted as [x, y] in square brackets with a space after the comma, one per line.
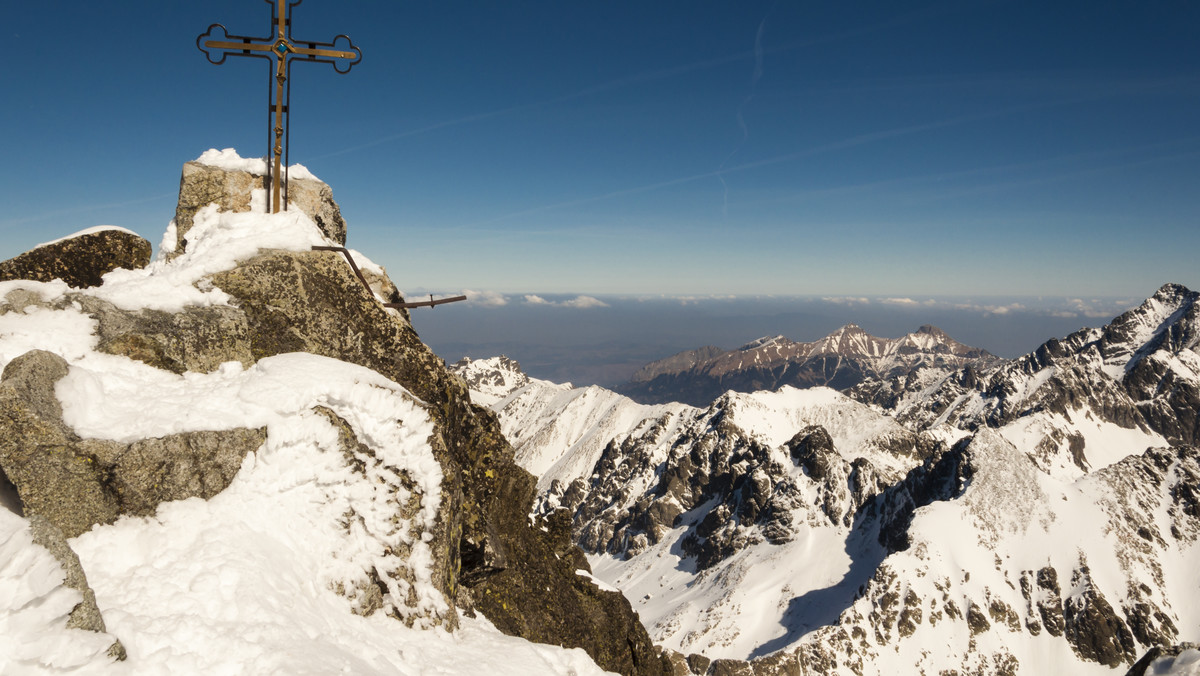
[86, 615]
[203, 184]
[486, 555]
[77, 483]
[80, 260]
[494, 559]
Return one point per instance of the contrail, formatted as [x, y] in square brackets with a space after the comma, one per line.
[741, 110]
[647, 76]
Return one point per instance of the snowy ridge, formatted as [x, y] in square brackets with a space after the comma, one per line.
[491, 380]
[558, 432]
[1079, 403]
[315, 560]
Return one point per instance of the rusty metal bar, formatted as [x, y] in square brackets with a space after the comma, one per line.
[358, 273]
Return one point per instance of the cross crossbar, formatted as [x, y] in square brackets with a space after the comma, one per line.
[281, 49]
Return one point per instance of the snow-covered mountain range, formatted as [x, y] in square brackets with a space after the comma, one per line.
[1031, 516]
[840, 360]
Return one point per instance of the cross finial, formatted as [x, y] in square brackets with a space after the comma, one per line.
[281, 49]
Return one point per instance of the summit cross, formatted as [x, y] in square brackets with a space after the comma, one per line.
[281, 49]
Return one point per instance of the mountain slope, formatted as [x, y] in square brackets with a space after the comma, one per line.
[1028, 517]
[1081, 402]
[840, 360]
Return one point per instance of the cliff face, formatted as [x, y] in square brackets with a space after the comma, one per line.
[259, 305]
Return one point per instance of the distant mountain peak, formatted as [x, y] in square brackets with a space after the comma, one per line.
[840, 360]
[931, 330]
[492, 379]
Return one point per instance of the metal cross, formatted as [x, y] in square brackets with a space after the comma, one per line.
[281, 50]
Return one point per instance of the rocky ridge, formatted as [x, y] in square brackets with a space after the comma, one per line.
[840, 360]
[247, 311]
[1136, 380]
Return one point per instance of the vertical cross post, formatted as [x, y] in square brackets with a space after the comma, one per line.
[281, 49]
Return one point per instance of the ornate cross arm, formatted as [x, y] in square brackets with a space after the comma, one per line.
[281, 49]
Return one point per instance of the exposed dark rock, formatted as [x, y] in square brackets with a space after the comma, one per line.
[195, 339]
[699, 664]
[726, 667]
[1093, 628]
[976, 620]
[78, 483]
[80, 261]
[86, 615]
[1050, 605]
[1168, 653]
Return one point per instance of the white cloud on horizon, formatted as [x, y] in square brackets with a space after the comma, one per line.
[485, 298]
[1065, 308]
[578, 302]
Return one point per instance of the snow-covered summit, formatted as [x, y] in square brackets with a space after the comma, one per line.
[492, 379]
[263, 470]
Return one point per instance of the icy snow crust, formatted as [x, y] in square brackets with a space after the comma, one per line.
[229, 160]
[266, 577]
[88, 231]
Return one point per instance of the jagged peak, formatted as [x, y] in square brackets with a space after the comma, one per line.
[1172, 291]
[499, 363]
[931, 330]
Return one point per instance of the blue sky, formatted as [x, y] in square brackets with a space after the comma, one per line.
[926, 148]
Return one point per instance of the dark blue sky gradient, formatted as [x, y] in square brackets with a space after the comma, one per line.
[930, 148]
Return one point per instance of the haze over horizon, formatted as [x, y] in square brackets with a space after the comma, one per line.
[603, 340]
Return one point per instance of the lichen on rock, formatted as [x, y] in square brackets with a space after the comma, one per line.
[80, 260]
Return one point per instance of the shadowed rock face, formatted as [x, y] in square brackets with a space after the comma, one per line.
[492, 558]
[80, 261]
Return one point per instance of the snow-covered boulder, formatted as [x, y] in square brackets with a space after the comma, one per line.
[81, 260]
[77, 483]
